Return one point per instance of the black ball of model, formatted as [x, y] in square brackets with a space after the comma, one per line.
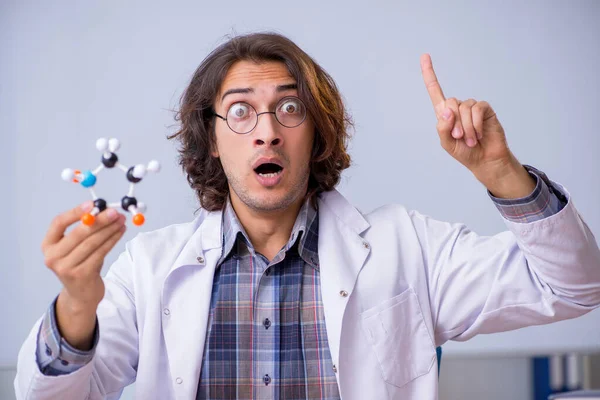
[100, 204]
[110, 161]
[127, 202]
[130, 176]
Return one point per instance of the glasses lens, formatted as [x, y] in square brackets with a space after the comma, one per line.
[290, 112]
[241, 117]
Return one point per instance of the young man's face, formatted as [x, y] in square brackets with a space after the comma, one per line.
[266, 188]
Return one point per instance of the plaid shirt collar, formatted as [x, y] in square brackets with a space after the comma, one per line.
[305, 233]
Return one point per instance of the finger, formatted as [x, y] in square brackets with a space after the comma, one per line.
[92, 243]
[81, 232]
[466, 120]
[61, 222]
[444, 128]
[480, 112]
[96, 259]
[457, 129]
[431, 83]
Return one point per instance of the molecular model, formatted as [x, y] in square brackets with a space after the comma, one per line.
[88, 179]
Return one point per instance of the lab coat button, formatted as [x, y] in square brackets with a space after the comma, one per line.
[167, 311]
[366, 245]
[179, 381]
[343, 293]
[200, 260]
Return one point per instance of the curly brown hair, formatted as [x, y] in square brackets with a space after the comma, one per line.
[316, 89]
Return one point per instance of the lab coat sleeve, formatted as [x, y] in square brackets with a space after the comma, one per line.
[114, 363]
[55, 356]
[544, 201]
[534, 273]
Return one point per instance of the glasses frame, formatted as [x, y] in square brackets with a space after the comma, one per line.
[265, 112]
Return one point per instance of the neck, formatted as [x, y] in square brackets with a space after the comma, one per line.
[268, 231]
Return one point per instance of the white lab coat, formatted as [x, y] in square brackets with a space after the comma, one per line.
[395, 284]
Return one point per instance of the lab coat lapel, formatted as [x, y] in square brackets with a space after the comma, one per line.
[342, 254]
[186, 303]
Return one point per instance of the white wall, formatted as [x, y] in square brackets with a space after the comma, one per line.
[10, 278]
[74, 71]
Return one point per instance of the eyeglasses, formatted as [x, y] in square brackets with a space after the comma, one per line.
[242, 118]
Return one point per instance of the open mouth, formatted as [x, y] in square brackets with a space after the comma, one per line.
[268, 170]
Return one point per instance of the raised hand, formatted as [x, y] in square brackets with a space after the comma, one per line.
[471, 133]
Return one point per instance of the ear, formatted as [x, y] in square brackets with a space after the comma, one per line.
[215, 153]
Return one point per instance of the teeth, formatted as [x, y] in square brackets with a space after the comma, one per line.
[271, 175]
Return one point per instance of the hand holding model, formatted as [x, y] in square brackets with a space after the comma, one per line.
[77, 257]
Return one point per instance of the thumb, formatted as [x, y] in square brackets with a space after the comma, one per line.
[445, 125]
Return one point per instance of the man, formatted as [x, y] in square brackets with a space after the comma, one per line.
[280, 288]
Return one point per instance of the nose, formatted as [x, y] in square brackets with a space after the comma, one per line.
[267, 131]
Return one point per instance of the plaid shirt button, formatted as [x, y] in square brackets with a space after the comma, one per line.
[334, 369]
[267, 323]
[267, 379]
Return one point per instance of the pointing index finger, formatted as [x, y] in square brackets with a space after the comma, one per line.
[432, 84]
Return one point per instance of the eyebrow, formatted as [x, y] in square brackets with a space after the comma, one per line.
[279, 89]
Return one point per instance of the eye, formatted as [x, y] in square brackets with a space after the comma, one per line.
[291, 106]
[239, 111]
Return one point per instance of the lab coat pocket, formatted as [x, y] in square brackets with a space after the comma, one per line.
[399, 337]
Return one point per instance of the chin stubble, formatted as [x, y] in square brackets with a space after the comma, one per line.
[257, 204]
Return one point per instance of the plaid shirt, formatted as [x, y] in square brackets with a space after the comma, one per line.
[266, 334]
[287, 356]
